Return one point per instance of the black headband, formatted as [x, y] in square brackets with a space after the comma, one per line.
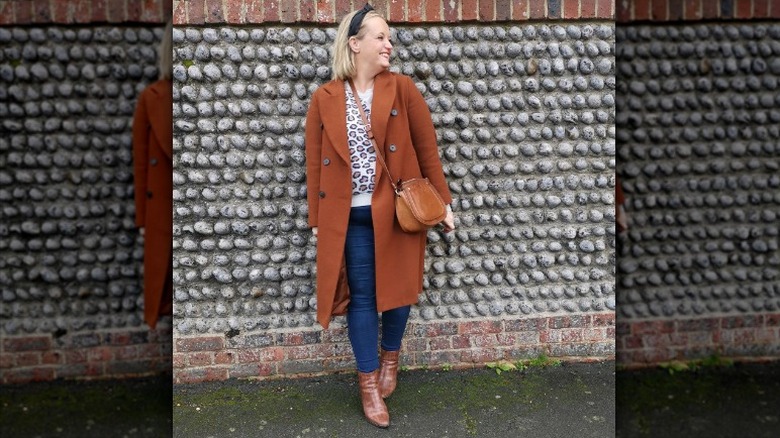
[357, 20]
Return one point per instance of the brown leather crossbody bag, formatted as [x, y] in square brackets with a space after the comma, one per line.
[418, 206]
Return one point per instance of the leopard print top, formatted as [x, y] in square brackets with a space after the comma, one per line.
[361, 151]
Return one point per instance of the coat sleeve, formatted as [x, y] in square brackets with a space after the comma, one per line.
[313, 153]
[141, 133]
[424, 140]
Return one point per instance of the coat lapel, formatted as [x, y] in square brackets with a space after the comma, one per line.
[333, 113]
[160, 116]
[384, 96]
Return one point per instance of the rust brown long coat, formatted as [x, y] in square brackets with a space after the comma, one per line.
[153, 180]
[403, 129]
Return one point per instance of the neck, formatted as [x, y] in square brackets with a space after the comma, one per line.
[363, 80]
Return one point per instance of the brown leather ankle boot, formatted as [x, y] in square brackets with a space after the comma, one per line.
[388, 372]
[374, 407]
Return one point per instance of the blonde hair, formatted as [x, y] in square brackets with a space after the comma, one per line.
[164, 53]
[343, 59]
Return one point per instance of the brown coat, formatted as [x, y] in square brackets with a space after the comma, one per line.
[153, 167]
[403, 129]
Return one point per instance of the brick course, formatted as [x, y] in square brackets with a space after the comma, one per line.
[692, 10]
[460, 344]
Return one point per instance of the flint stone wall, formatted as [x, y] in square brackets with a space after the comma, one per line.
[525, 122]
[70, 255]
[698, 126]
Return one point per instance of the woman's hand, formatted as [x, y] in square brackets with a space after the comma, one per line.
[449, 221]
[314, 231]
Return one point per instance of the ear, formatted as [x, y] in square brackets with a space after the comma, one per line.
[354, 45]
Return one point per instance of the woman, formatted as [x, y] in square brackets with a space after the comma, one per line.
[361, 248]
[153, 181]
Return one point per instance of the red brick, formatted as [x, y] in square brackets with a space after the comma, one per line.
[326, 12]
[469, 10]
[603, 320]
[594, 334]
[397, 12]
[214, 11]
[6, 360]
[571, 9]
[710, 9]
[250, 370]
[75, 356]
[692, 10]
[133, 11]
[441, 329]
[641, 9]
[658, 10]
[200, 358]
[479, 327]
[505, 339]
[100, 354]
[148, 351]
[588, 8]
[30, 375]
[676, 10]
[27, 343]
[126, 352]
[571, 335]
[63, 11]
[772, 320]
[520, 9]
[307, 12]
[223, 357]
[167, 9]
[196, 375]
[180, 14]
[381, 7]
[179, 360]
[196, 11]
[23, 12]
[527, 338]
[433, 11]
[632, 342]
[461, 341]
[335, 335]
[481, 355]
[774, 9]
[652, 327]
[760, 8]
[538, 9]
[254, 11]
[28, 359]
[415, 12]
[707, 324]
[7, 13]
[606, 9]
[484, 340]
[343, 8]
[450, 12]
[295, 353]
[288, 11]
[415, 344]
[234, 11]
[440, 343]
[271, 11]
[549, 336]
[151, 11]
[526, 324]
[487, 10]
[41, 11]
[743, 9]
[115, 11]
[200, 343]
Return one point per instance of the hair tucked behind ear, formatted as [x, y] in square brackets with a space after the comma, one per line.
[343, 64]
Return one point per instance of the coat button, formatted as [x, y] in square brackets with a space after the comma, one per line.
[154, 161]
[394, 112]
[392, 148]
[326, 161]
[149, 195]
[322, 194]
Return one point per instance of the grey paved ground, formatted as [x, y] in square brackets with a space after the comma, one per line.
[740, 401]
[570, 400]
[130, 408]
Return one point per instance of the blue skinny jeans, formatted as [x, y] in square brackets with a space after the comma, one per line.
[362, 317]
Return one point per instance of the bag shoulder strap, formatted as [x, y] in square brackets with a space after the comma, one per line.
[370, 133]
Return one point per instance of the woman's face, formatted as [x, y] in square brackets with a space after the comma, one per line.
[374, 49]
